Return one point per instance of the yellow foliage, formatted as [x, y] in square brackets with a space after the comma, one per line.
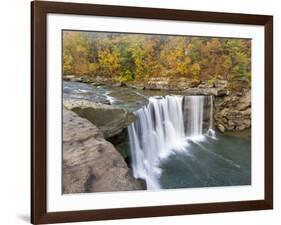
[93, 68]
[109, 62]
[138, 57]
[195, 70]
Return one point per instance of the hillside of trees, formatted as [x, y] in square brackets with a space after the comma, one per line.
[137, 57]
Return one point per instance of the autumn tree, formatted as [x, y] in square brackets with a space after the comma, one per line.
[136, 57]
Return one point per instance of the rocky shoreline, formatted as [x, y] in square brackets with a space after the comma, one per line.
[232, 109]
[90, 163]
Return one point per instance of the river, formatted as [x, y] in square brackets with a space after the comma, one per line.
[177, 148]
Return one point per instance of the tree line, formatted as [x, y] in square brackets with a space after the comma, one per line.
[137, 57]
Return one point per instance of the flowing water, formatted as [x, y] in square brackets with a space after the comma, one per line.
[173, 143]
[158, 129]
[167, 126]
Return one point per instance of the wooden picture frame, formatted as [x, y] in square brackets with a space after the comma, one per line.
[39, 11]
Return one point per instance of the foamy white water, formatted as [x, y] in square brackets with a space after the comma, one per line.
[160, 129]
[211, 132]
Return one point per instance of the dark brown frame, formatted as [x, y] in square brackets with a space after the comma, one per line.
[39, 11]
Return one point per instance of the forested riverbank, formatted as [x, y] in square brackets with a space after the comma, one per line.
[137, 58]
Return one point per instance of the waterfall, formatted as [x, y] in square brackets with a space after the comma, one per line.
[211, 131]
[163, 126]
[194, 114]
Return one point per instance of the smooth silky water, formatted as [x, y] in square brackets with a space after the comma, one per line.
[173, 143]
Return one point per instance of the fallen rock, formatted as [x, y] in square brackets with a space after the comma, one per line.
[90, 163]
[221, 128]
[111, 121]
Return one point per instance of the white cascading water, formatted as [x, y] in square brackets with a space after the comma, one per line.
[194, 116]
[211, 132]
[160, 129]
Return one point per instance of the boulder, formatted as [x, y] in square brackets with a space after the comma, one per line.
[221, 128]
[90, 163]
[68, 77]
[111, 121]
[244, 102]
[221, 84]
[72, 78]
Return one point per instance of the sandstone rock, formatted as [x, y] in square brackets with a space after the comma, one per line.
[99, 80]
[221, 84]
[157, 83]
[201, 91]
[182, 83]
[233, 112]
[222, 87]
[244, 101]
[111, 121]
[222, 92]
[165, 83]
[221, 128]
[72, 78]
[135, 85]
[206, 85]
[90, 163]
[247, 123]
[246, 112]
[68, 77]
[231, 123]
[241, 127]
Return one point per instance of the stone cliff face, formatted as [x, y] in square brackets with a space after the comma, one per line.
[233, 112]
[90, 163]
